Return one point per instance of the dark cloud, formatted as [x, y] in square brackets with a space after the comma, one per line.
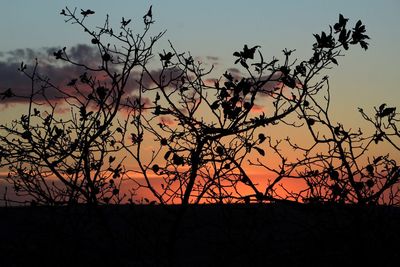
[59, 73]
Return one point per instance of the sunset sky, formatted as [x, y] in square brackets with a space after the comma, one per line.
[213, 30]
[218, 28]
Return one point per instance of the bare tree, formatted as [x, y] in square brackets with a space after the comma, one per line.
[202, 131]
[337, 166]
[206, 130]
[68, 158]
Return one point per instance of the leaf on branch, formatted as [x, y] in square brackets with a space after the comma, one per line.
[228, 76]
[387, 111]
[248, 53]
[58, 54]
[166, 58]
[215, 105]
[260, 151]
[370, 169]
[341, 24]
[148, 15]
[106, 57]
[370, 183]
[334, 175]
[167, 154]
[155, 168]
[26, 135]
[178, 160]
[101, 92]
[115, 191]
[111, 159]
[219, 150]
[124, 22]
[379, 137]
[87, 12]
[227, 166]
[310, 121]
[261, 138]
[164, 141]
[376, 160]
[7, 94]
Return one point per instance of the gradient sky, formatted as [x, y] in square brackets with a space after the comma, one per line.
[218, 28]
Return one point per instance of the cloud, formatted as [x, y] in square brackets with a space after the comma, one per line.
[212, 58]
[57, 72]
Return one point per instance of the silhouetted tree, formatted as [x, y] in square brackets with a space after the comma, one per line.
[205, 130]
[201, 131]
[56, 158]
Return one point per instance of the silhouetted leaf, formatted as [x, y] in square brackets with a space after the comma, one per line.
[215, 105]
[379, 137]
[370, 169]
[334, 175]
[167, 154]
[101, 92]
[289, 81]
[261, 138]
[228, 76]
[149, 13]
[260, 151]
[164, 141]
[358, 186]
[247, 105]
[227, 166]
[310, 121]
[26, 135]
[111, 159]
[7, 94]
[106, 57]
[58, 54]
[124, 22]
[370, 183]
[248, 53]
[244, 64]
[155, 168]
[376, 160]
[219, 150]
[381, 107]
[166, 58]
[387, 112]
[87, 12]
[178, 160]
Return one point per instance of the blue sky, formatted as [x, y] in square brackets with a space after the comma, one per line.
[218, 28]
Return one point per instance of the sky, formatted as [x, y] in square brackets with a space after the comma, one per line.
[213, 30]
[218, 28]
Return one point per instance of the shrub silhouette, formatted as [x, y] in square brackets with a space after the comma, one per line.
[202, 131]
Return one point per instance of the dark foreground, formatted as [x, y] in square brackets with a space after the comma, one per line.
[231, 235]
